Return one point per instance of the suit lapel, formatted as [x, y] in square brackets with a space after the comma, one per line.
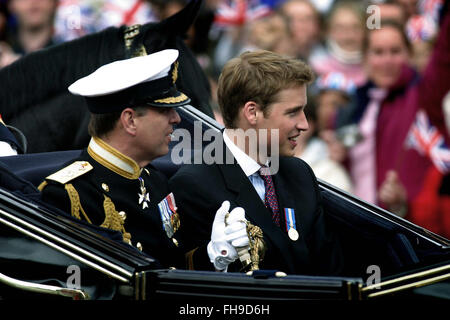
[246, 196]
[286, 196]
[287, 199]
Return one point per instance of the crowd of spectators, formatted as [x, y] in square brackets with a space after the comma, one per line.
[380, 90]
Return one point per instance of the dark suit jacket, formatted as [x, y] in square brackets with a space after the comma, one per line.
[200, 190]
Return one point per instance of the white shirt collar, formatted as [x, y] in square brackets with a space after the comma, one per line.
[247, 164]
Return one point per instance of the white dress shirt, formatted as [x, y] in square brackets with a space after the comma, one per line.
[248, 165]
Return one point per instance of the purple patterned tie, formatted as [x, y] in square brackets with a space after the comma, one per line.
[270, 200]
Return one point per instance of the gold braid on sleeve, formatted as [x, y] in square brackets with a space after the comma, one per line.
[75, 204]
[42, 185]
[113, 220]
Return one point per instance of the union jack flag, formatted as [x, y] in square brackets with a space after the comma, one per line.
[428, 141]
[238, 12]
[431, 8]
[421, 28]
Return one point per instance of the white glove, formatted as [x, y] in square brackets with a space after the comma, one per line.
[224, 239]
[236, 229]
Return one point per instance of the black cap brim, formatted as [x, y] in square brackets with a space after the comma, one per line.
[170, 99]
[158, 93]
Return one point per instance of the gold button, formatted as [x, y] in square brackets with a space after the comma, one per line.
[175, 241]
[123, 215]
[105, 187]
[139, 246]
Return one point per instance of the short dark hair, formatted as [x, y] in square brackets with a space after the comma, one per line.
[257, 76]
[102, 124]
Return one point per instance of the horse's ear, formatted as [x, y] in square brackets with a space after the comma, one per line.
[180, 22]
[154, 37]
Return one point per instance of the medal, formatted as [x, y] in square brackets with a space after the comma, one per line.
[144, 197]
[168, 228]
[105, 187]
[175, 220]
[293, 234]
[290, 224]
[169, 217]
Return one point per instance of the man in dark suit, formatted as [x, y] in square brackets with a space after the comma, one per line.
[262, 97]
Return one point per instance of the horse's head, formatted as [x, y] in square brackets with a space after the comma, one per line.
[169, 34]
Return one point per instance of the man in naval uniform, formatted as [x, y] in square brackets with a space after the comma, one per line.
[262, 93]
[112, 184]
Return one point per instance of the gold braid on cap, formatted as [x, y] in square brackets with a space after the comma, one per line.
[180, 98]
[113, 220]
[175, 72]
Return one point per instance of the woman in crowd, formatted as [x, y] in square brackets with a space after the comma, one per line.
[385, 169]
[345, 33]
[334, 92]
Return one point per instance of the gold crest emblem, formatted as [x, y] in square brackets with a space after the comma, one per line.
[175, 72]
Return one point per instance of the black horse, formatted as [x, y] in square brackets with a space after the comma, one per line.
[33, 90]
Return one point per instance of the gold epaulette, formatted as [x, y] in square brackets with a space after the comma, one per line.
[42, 185]
[72, 171]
